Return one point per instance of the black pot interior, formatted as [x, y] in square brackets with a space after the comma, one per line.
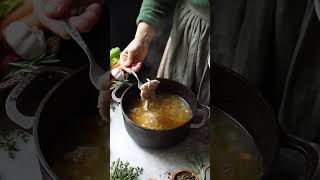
[29, 99]
[233, 95]
[63, 116]
[166, 86]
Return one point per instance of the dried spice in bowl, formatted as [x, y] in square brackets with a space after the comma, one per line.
[184, 174]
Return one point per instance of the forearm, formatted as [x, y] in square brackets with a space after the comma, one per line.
[145, 32]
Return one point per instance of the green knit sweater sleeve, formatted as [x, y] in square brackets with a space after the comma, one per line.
[153, 11]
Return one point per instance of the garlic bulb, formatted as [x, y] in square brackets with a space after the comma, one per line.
[27, 42]
[118, 74]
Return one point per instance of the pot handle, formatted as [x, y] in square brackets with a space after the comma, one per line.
[204, 113]
[115, 91]
[114, 96]
[14, 114]
[310, 151]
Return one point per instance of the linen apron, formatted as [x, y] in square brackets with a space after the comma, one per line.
[275, 46]
[185, 58]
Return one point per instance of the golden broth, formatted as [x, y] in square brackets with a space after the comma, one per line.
[234, 154]
[165, 112]
[86, 154]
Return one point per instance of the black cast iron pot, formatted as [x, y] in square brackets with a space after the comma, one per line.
[66, 99]
[236, 100]
[162, 138]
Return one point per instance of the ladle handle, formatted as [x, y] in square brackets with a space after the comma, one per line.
[14, 114]
[136, 76]
[95, 71]
[205, 116]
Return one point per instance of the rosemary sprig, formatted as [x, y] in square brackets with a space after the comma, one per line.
[196, 163]
[120, 170]
[119, 83]
[28, 66]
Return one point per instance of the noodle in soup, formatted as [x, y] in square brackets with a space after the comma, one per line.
[165, 112]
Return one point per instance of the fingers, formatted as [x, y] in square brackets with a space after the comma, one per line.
[55, 27]
[83, 22]
[57, 8]
[124, 60]
[137, 67]
[88, 19]
[129, 59]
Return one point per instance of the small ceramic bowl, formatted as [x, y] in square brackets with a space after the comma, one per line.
[177, 172]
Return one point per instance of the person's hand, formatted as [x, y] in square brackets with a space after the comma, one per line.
[83, 14]
[133, 55]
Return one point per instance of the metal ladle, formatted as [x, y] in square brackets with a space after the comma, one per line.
[136, 76]
[95, 71]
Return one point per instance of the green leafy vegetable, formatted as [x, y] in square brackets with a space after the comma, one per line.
[7, 6]
[114, 56]
[120, 170]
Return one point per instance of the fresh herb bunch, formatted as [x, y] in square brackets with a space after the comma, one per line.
[28, 66]
[123, 171]
[119, 83]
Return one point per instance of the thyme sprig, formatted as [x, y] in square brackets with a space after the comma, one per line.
[124, 171]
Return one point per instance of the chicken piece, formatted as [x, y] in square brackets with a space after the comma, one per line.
[148, 91]
[82, 155]
[104, 97]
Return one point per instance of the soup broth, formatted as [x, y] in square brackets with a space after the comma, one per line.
[165, 112]
[83, 155]
[234, 154]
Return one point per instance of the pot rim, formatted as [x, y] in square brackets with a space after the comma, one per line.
[127, 119]
[40, 156]
[43, 162]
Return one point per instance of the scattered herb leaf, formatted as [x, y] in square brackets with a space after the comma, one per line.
[8, 141]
